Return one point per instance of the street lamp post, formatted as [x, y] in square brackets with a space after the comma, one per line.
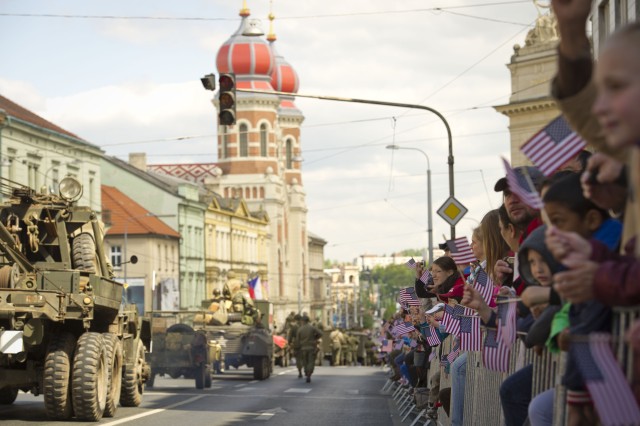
[384, 103]
[429, 208]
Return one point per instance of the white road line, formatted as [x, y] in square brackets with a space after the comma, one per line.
[265, 416]
[298, 390]
[239, 386]
[254, 381]
[152, 412]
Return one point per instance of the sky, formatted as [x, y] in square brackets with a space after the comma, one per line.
[125, 76]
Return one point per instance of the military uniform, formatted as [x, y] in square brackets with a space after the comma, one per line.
[307, 337]
[352, 350]
[294, 344]
[336, 347]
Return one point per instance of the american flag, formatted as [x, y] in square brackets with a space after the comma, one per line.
[432, 355]
[450, 320]
[413, 343]
[470, 333]
[403, 328]
[426, 276]
[432, 337]
[553, 146]
[507, 320]
[522, 187]
[444, 361]
[484, 285]
[455, 351]
[387, 345]
[461, 250]
[408, 297]
[607, 385]
[411, 263]
[495, 354]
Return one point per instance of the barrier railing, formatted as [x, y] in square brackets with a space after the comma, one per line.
[482, 387]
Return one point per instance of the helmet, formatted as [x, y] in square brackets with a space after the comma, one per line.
[216, 292]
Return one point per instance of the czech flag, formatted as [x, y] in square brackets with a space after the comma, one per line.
[255, 288]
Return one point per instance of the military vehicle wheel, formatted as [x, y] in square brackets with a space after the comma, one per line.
[114, 372]
[132, 384]
[84, 253]
[151, 380]
[90, 377]
[261, 369]
[201, 376]
[207, 378]
[8, 395]
[56, 380]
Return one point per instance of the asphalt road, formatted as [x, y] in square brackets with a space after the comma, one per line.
[336, 396]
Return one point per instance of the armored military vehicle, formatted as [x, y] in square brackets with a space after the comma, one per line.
[64, 331]
[188, 343]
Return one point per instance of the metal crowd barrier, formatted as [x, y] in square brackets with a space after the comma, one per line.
[482, 387]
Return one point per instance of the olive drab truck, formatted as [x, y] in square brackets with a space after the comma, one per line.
[193, 343]
[65, 332]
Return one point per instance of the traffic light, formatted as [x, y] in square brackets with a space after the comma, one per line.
[227, 98]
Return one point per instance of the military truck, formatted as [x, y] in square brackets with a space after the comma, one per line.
[188, 343]
[65, 332]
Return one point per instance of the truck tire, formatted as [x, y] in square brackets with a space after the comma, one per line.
[132, 384]
[8, 395]
[84, 253]
[56, 380]
[200, 373]
[114, 372]
[90, 377]
[261, 368]
[207, 378]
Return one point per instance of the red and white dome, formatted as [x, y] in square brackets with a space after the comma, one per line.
[248, 57]
[283, 78]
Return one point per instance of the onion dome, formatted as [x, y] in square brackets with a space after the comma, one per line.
[247, 56]
[283, 78]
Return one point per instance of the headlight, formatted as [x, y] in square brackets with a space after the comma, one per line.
[70, 189]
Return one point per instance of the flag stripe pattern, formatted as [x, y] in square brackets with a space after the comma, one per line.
[470, 334]
[432, 337]
[450, 320]
[408, 297]
[507, 320]
[553, 146]
[455, 351]
[411, 263]
[461, 250]
[426, 276]
[403, 328]
[519, 185]
[495, 354]
[607, 385]
[484, 285]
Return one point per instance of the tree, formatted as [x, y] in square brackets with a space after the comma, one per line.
[391, 279]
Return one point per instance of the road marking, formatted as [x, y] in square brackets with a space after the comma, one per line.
[152, 412]
[353, 391]
[298, 390]
[287, 371]
[254, 381]
[247, 389]
[239, 386]
[265, 416]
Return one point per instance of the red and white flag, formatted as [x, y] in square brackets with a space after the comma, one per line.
[522, 186]
[603, 376]
[495, 354]
[484, 285]
[553, 146]
[507, 320]
[470, 339]
[461, 251]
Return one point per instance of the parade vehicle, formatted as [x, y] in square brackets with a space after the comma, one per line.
[190, 343]
[65, 332]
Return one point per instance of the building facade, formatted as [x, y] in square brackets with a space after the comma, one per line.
[37, 153]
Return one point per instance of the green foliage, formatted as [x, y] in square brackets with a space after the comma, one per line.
[411, 252]
[391, 279]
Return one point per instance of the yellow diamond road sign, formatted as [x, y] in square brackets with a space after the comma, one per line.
[452, 211]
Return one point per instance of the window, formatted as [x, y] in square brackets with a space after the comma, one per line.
[115, 255]
[289, 154]
[263, 140]
[244, 140]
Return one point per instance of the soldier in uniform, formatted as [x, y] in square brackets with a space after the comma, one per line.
[336, 347]
[292, 337]
[307, 338]
[353, 343]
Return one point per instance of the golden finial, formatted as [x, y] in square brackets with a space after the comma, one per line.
[245, 10]
[271, 36]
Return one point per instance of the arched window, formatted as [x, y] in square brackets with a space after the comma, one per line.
[263, 140]
[289, 153]
[244, 140]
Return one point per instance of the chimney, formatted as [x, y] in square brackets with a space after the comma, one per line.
[138, 160]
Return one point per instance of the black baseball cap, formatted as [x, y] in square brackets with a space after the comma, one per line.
[535, 175]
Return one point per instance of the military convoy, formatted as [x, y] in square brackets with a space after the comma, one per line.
[65, 332]
[231, 329]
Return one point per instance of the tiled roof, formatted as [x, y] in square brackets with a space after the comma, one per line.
[129, 216]
[16, 111]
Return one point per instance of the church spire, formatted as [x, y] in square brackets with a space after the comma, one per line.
[271, 36]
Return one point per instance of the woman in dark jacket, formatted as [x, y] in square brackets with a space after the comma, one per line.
[444, 275]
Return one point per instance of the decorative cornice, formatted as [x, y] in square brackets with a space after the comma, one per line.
[526, 107]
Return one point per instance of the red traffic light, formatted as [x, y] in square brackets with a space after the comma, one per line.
[226, 82]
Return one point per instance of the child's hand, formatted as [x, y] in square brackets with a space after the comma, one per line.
[576, 284]
[564, 340]
[534, 295]
[568, 247]
[501, 270]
